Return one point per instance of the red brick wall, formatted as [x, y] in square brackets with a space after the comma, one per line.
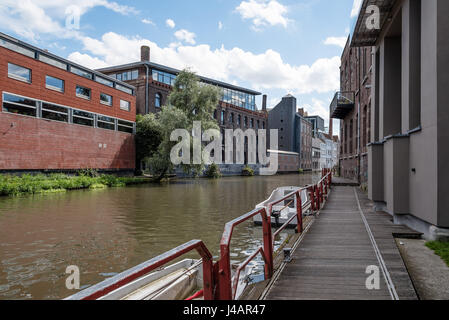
[37, 89]
[27, 143]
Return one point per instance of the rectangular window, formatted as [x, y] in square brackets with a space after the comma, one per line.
[56, 113]
[19, 105]
[124, 89]
[104, 81]
[106, 123]
[83, 92]
[54, 83]
[81, 73]
[124, 105]
[105, 99]
[83, 118]
[53, 62]
[17, 48]
[19, 73]
[125, 126]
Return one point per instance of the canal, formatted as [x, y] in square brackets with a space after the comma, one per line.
[107, 231]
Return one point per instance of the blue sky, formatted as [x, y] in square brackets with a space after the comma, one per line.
[274, 46]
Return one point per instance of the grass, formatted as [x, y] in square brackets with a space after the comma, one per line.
[441, 249]
[37, 184]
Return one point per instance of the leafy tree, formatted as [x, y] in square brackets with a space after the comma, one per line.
[189, 101]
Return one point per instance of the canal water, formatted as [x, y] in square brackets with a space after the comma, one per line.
[104, 232]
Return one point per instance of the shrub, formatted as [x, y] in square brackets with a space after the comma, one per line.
[248, 171]
[301, 171]
[213, 171]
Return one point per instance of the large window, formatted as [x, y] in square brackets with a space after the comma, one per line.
[237, 98]
[81, 73]
[126, 75]
[125, 126]
[53, 112]
[83, 118]
[19, 73]
[158, 100]
[17, 48]
[104, 81]
[125, 105]
[54, 83]
[164, 77]
[53, 62]
[83, 92]
[106, 123]
[123, 89]
[106, 99]
[19, 105]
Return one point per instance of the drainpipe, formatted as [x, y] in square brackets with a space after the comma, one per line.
[358, 123]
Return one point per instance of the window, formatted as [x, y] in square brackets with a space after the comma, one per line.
[127, 75]
[81, 73]
[231, 118]
[106, 123]
[157, 101]
[57, 113]
[83, 92]
[54, 83]
[252, 123]
[19, 105]
[223, 114]
[83, 118]
[246, 122]
[19, 73]
[123, 89]
[105, 99]
[104, 81]
[164, 77]
[53, 62]
[125, 126]
[124, 105]
[239, 120]
[17, 48]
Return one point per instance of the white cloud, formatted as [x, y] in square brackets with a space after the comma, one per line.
[220, 25]
[32, 18]
[148, 21]
[263, 13]
[356, 8]
[170, 23]
[336, 41]
[186, 36]
[261, 71]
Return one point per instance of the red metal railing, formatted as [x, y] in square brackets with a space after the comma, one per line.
[226, 286]
[124, 278]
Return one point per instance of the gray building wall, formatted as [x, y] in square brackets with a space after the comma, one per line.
[283, 118]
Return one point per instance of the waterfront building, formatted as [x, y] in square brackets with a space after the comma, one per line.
[409, 154]
[237, 108]
[56, 115]
[295, 132]
[352, 105]
[316, 154]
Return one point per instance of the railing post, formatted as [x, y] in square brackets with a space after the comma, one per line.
[224, 274]
[268, 243]
[299, 211]
[208, 278]
[318, 198]
[312, 197]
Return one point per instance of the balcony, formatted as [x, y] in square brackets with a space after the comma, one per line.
[342, 104]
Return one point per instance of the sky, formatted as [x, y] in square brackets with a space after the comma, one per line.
[277, 47]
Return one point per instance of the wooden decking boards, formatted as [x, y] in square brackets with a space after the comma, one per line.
[331, 261]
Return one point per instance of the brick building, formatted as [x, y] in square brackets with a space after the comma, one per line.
[352, 105]
[57, 115]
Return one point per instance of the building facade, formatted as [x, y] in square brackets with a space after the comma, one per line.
[409, 154]
[352, 105]
[295, 132]
[58, 116]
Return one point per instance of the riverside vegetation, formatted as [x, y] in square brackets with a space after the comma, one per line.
[52, 183]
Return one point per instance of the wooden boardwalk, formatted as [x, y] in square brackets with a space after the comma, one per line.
[331, 261]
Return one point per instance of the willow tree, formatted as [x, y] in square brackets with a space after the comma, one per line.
[189, 101]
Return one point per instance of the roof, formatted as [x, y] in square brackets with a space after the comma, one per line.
[363, 34]
[176, 71]
[55, 57]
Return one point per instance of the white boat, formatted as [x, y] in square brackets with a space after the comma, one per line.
[286, 209]
[179, 281]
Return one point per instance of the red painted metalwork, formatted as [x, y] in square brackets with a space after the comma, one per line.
[124, 278]
[197, 295]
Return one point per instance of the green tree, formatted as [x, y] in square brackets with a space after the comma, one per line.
[189, 101]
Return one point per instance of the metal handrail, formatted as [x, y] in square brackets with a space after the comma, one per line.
[101, 289]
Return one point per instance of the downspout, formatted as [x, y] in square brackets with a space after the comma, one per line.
[358, 123]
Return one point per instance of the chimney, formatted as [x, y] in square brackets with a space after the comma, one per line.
[331, 126]
[264, 102]
[145, 54]
[301, 111]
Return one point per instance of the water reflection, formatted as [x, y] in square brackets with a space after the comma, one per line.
[107, 231]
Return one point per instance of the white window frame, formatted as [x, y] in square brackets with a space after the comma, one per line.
[128, 107]
[19, 78]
